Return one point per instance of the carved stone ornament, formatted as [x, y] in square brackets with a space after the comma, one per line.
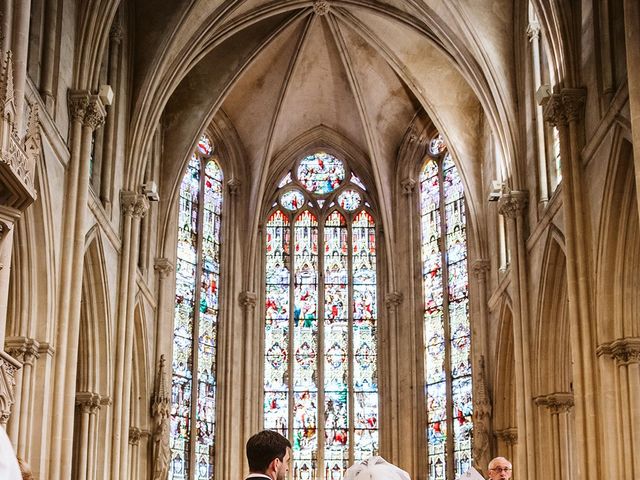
[234, 186]
[321, 7]
[134, 204]
[554, 112]
[513, 204]
[533, 30]
[508, 435]
[248, 299]
[116, 33]
[8, 369]
[163, 266]
[23, 349]
[481, 416]
[560, 402]
[624, 350]
[480, 267]
[160, 410]
[95, 113]
[408, 186]
[78, 101]
[573, 100]
[134, 435]
[393, 299]
[89, 402]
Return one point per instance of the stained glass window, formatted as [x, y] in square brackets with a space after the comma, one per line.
[193, 385]
[320, 353]
[447, 332]
[292, 200]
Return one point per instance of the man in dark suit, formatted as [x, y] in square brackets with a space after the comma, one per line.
[268, 454]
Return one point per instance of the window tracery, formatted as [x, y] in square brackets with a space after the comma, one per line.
[320, 337]
[193, 385]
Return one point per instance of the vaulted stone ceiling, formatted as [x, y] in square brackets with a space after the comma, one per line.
[360, 68]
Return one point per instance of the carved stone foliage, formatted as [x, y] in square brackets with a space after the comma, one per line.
[163, 266]
[321, 7]
[160, 410]
[624, 350]
[8, 369]
[508, 435]
[247, 299]
[560, 402]
[482, 416]
[134, 204]
[513, 204]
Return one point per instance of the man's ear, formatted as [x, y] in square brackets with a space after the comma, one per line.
[273, 466]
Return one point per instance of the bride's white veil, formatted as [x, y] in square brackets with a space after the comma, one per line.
[375, 468]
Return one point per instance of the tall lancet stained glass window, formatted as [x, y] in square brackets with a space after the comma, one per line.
[193, 383]
[320, 337]
[447, 332]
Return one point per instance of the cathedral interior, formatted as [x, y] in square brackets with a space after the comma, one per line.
[405, 228]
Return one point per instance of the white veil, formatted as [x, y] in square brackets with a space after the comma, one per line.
[375, 468]
[9, 469]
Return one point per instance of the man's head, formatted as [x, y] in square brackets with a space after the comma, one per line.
[499, 469]
[268, 452]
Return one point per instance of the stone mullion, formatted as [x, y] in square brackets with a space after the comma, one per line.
[88, 115]
[135, 207]
[512, 206]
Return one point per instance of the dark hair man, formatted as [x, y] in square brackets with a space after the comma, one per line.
[268, 454]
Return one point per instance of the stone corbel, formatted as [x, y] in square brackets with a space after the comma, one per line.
[508, 435]
[8, 368]
[624, 350]
[559, 402]
[163, 266]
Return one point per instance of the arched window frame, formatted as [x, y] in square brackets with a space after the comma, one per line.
[199, 429]
[322, 206]
[547, 137]
[455, 419]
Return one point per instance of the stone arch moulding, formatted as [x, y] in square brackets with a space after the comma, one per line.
[503, 389]
[613, 262]
[142, 372]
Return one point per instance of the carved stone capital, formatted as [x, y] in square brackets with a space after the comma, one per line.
[8, 369]
[508, 435]
[554, 111]
[624, 350]
[573, 100]
[4, 229]
[480, 267]
[116, 33]
[247, 299]
[89, 402]
[393, 299]
[134, 204]
[134, 435]
[78, 102]
[163, 266]
[533, 31]
[513, 204]
[23, 349]
[408, 186]
[321, 7]
[560, 402]
[234, 186]
[95, 114]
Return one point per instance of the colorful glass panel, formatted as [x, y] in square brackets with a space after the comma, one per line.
[447, 332]
[204, 146]
[292, 200]
[285, 181]
[349, 200]
[193, 401]
[321, 173]
[320, 383]
[355, 179]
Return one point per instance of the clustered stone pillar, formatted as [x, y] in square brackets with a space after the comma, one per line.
[564, 111]
[632, 45]
[89, 404]
[507, 442]
[625, 352]
[87, 113]
[512, 206]
[392, 301]
[559, 406]
[134, 207]
[135, 434]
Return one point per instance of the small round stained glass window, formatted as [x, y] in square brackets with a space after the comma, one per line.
[204, 145]
[349, 200]
[292, 200]
[321, 173]
[437, 145]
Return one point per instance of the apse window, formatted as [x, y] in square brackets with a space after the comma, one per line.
[447, 332]
[321, 318]
[193, 383]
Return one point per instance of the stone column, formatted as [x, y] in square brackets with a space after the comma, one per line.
[559, 406]
[134, 207]
[392, 408]
[20, 48]
[25, 350]
[134, 453]
[164, 335]
[7, 220]
[481, 418]
[565, 111]
[480, 268]
[632, 45]
[88, 403]
[49, 48]
[507, 441]
[160, 412]
[87, 113]
[252, 359]
[626, 354]
[113, 76]
[512, 206]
